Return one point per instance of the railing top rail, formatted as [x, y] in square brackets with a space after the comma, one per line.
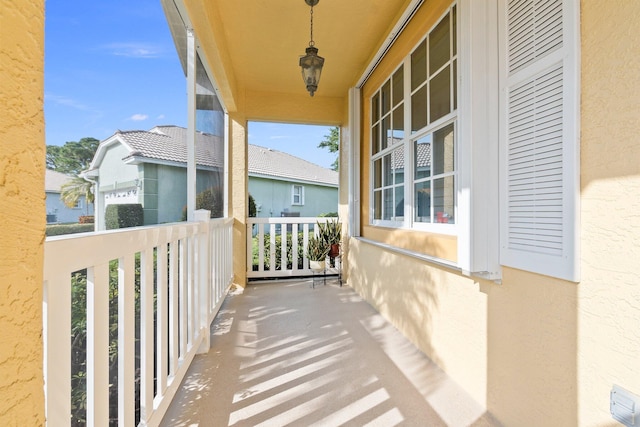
[113, 244]
[288, 220]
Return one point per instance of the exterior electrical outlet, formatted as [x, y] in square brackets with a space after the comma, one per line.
[625, 407]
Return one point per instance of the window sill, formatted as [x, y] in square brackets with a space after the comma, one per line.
[439, 262]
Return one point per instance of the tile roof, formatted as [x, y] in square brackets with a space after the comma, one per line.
[54, 180]
[168, 143]
[266, 161]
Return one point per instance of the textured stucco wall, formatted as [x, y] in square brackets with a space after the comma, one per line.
[443, 314]
[609, 295]
[238, 194]
[22, 211]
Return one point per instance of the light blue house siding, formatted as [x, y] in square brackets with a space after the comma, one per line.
[57, 211]
[274, 197]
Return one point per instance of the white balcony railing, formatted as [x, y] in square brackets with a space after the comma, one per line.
[167, 282]
[272, 250]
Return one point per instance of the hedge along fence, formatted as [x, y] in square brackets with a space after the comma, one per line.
[60, 229]
[123, 216]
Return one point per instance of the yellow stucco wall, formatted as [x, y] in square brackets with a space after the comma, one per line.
[538, 351]
[239, 195]
[22, 212]
[609, 295]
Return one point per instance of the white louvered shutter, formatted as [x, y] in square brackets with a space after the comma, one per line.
[539, 136]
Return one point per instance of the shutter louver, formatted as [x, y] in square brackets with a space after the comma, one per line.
[535, 29]
[535, 164]
[539, 145]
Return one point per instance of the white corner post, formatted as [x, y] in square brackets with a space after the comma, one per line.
[191, 124]
[354, 162]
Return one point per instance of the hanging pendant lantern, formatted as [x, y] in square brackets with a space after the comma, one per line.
[311, 63]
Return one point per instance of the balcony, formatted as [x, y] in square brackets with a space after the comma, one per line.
[206, 352]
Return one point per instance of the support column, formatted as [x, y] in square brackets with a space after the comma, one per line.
[239, 194]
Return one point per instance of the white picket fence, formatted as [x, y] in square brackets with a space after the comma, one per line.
[272, 240]
[185, 273]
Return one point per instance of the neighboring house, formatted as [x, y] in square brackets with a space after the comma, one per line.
[149, 167]
[57, 211]
[285, 185]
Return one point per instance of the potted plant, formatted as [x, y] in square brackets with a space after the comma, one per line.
[331, 232]
[317, 251]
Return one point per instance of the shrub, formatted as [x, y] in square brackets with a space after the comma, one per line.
[253, 210]
[60, 229]
[123, 216]
[209, 199]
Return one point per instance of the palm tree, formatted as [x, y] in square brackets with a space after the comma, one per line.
[72, 190]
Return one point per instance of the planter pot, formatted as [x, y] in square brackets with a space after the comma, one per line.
[317, 265]
[335, 250]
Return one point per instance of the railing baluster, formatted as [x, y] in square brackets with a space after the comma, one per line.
[98, 345]
[294, 248]
[174, 321]
[261, 247]
[184, 304]
[126, 341]
[272, 247]
[146, 335]
[57, 339]
[162, 319]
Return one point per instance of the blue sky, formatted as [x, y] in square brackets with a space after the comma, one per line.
[112, 65]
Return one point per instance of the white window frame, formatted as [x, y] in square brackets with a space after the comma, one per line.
[407, 221]
[299, 194]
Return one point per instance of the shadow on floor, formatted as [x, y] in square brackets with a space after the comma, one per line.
[287, 354]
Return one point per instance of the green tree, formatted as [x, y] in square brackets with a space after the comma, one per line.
[332, 142]
[73, 157]
[71, 191]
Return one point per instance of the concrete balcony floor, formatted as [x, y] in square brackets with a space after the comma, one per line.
[284, 353]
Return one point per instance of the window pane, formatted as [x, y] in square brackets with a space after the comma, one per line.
[398, 124]
[455, 85]
[398, 85]
[419, 65]
[375, 107]
[454, 32]
[388, 171]
[422, 157]
[210, 142]
[440, 95]
[375, 139]
[377, 173]
[443, 155]
[399, 201]
[398, 165]
[423, 202]
[439, 46]
[377, 205]
[386, 97]
[443, 199]
[385, 132]
[419, 109]
[388, 204]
